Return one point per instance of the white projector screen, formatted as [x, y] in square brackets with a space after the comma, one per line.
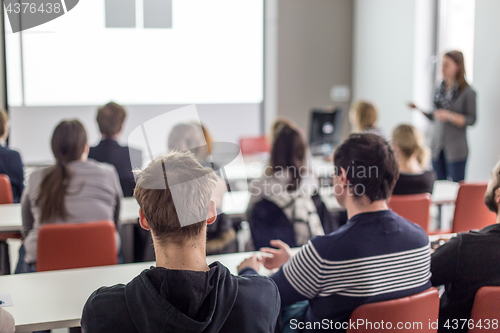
[140, 53]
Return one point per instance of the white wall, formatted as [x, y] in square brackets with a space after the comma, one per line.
[384, 32]
[32, 127]
[484, 137]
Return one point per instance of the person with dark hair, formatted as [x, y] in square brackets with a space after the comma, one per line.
[182, 293]
[74, 190]
[287, 187]
[466, 263]
[454, 111]
[10, 160]
[110, 119]
[413, 158]
[376, 256]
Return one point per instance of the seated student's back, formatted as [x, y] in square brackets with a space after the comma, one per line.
[287, 185]
[377, 255]
[10, 160]
[182, 293]
[73, 190]
[110, 119]
[466, 263]
[413, 158]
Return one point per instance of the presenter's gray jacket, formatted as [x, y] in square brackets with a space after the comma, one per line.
[453, 139]
[93, 194]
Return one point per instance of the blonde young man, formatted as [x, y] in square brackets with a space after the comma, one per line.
[182, 293]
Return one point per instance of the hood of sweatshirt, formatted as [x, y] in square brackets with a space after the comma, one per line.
[163, 300]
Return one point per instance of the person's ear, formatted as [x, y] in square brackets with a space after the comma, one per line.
[142, 220]
[497, 195]
[342, 177]
[212, 213]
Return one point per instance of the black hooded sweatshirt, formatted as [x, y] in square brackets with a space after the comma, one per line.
[163, 300]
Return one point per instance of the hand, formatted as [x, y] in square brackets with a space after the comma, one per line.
[253, 262]
[442, 115]
[279, 256]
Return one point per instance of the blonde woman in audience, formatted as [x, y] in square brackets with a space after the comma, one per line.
[413, 159]
[75, 189]
[363, 117]
[221, 237]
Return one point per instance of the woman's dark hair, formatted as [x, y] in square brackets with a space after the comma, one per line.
[370, 164]
[288, 154]
[68, 144]
[458, 59]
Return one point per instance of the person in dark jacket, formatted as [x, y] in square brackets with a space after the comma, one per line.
[110, 118]
[10, 160]
[466, 263]
[182, 293]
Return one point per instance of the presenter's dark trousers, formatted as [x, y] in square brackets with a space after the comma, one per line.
[445, 170]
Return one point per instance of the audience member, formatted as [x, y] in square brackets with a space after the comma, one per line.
[468, 262]
[221, 237]
[377, 255]
[284, 194]
[75, 189]
[110, 119]
[413, 159]
[182, 293]
[10, 160]
[363, 118]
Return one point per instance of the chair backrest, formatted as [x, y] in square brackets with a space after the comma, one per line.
[5, 190]
[254, 145]
[76, 245]
[486, 306]
[419, 308]
[413, 207]
[470, 210]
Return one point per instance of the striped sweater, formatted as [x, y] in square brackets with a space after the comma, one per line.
[376, 256]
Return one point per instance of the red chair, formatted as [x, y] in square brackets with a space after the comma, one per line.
[419, 308]
[5, 198]
[254, 145]
[413, 207]
[486, 306]
[76, 245]
[470, 210]
[5, 190]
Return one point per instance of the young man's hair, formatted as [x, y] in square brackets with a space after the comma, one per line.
[110, 118]
[173, 184]
[4, 118]
[370, 164]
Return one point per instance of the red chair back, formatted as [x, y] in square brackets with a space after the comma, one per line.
[470, 210]
[486, 306]
[76, 245]
[254, 145]
[413, 207]
[419, 308]
[5, 190]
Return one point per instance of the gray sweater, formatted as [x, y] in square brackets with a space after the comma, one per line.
[453, 139]
[94, 194]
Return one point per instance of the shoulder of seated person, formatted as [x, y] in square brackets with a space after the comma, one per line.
[255, 286]
[106, 294]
